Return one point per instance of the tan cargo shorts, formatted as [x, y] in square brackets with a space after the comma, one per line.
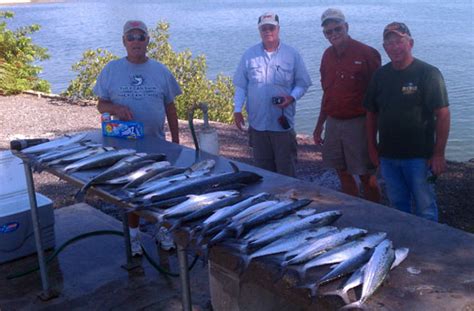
[345, 146]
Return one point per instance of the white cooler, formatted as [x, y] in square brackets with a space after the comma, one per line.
[16, 230]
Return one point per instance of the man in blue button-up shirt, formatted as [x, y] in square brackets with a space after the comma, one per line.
[267, 71]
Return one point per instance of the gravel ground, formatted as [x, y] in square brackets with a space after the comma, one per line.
[27, 116]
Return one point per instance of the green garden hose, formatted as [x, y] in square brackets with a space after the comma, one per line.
[96, 233]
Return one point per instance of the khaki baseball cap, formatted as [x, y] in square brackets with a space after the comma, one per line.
[332, 14]
[268, 18]
[130, 25]
[398, 28]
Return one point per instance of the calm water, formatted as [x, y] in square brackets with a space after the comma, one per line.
[222, 30]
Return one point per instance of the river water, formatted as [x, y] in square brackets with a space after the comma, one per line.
[222, 30]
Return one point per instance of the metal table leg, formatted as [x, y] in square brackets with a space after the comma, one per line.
[184, 276]
[131, 264]
[47, 292]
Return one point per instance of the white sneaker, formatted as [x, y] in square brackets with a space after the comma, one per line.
[165, 239]
[136, 246]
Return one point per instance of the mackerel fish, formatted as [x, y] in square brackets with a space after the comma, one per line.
[312, 221]
[99, 160]
[357, 277]
[317, 247]
[288, 243]
[51, 145]
[342, 252]
[375, 272]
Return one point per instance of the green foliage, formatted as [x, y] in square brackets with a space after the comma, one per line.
[17, 55]
[189, 72]
[88, 69]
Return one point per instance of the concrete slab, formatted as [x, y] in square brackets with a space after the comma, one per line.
[88, 273]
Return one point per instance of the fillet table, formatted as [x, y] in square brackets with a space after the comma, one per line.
[437, 275]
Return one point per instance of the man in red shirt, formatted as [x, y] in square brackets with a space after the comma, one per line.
[346, 69]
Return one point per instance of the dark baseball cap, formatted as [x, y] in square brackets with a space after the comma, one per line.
[398, 28]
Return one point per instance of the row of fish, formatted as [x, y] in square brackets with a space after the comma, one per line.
[211, 207]
[298, 237]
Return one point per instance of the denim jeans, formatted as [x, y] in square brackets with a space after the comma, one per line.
[406, 183]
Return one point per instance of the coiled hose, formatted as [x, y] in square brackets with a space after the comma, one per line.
[97, 233]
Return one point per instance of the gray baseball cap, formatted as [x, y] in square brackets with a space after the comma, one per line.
[332, 14]
[130, 25]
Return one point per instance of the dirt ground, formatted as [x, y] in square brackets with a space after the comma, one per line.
[27, 116]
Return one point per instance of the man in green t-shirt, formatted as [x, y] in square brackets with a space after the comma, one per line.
[407, 105]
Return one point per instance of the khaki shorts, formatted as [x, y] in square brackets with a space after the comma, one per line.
[345, 146]
[274, 151]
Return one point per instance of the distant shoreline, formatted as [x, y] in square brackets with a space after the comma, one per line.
[9, 2]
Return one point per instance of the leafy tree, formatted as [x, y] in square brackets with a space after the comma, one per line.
[17, 55]
[189, 72]
[88, 68]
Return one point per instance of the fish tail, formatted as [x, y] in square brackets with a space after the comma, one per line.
[301, 270]
[313, 287]
[81, 194]
[238, 230]
[175, 225]
[205, 252]
[341, 293]
[355, 305]
[245, 259]
[280, 274]
[194, 231]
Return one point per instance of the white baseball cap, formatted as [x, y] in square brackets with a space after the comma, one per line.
[268, 19]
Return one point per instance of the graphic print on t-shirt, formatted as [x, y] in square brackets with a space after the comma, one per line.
[138, 88]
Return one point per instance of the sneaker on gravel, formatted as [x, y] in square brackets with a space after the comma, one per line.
[165, 239]
[136, 246]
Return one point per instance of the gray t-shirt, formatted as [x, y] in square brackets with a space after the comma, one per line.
[144, 88]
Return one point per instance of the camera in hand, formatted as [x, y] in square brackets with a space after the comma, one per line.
[277, 100]
[283, 121]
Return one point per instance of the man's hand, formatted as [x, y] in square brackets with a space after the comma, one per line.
[437, 164]
[318, 131]
[374, 156]
[287, 100]
[239, 120]
[122, 112]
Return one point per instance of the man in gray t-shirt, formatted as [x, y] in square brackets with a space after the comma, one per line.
[140, 89]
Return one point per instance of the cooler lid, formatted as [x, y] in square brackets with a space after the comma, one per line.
[14, 204]
[12, 174]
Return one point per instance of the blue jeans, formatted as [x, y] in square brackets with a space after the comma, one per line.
[406, 182]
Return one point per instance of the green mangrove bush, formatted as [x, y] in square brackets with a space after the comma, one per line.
[18, 54]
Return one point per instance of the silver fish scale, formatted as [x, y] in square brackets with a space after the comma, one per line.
[356, 277]
[63, 141]
[347, 250]
[78, 155]
[138, 173]
[291, 242]
[94, 160]
[197, 201]
[318, 246]
[263, 230]
[377, 268]
[301, 224]
[234, 209]
[149, 190]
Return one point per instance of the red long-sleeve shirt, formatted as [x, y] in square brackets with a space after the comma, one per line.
[345, 78]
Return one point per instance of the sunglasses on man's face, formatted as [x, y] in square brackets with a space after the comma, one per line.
[328, 32]
[135, 37]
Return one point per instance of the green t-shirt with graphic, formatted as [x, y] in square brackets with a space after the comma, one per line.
[405, 101]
